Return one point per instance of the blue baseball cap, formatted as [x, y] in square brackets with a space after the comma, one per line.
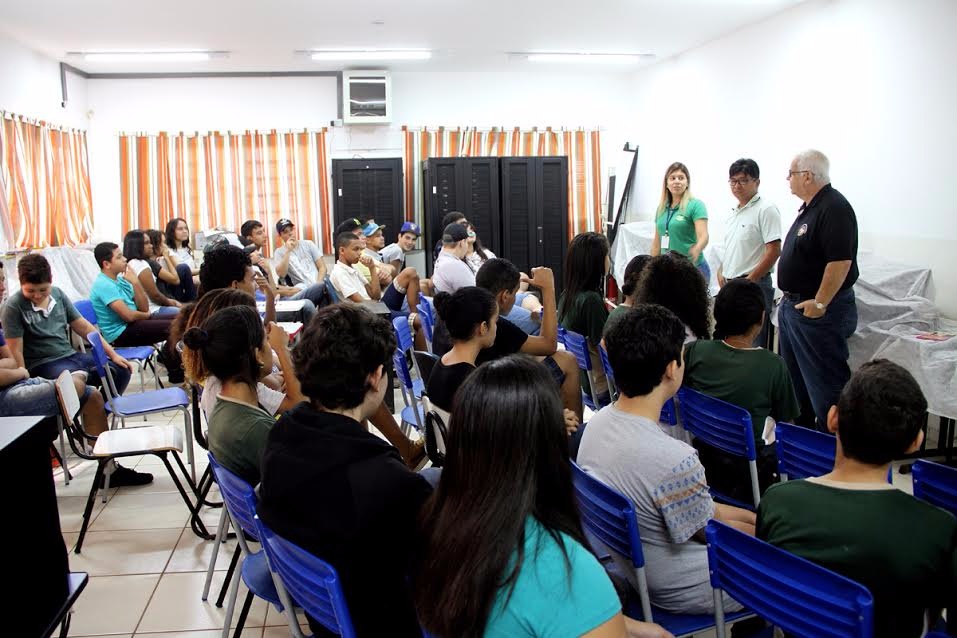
[410, 227]
[370, 228]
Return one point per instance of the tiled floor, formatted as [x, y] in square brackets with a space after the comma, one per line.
[147, 568]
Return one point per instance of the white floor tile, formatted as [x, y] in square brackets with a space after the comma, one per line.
[112, 604]
[176, 605]
[255, 632]
[143, 511]
[123, 552]
[71, 512]
[192, 553]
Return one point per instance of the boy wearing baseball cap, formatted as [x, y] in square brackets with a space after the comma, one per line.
[394, 254]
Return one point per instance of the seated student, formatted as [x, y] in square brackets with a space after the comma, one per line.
[138, 249]
[470, 316]
[624, 447]
[853, 522]
[351, 285]
[477, 254]
[453, 217]
[176, 237]
[173, 279]
[226, 266]
[337, 490]
[122, 311]
[35, 320]
[375, 241]
[672, 281]
[235, 348]
[450, 271]
[394, 254]
[581, 308]
[731, 369]
[254, 232]
[275, 393]
[298, 259]
[511, 562]
[406, 280]
[629, 286]
[501, 278]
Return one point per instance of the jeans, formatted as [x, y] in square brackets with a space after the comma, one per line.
[185, 290]
[82, 361]
[705, 270]
[815, 350]
[316, 293]
[522, 317]
[164, 312]
[30, 397]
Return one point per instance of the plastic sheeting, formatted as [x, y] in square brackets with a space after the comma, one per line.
[635, 239]
[74, 270]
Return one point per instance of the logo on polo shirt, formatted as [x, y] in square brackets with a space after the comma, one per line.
[802, 230]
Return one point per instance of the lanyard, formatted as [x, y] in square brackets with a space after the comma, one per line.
[671, 213]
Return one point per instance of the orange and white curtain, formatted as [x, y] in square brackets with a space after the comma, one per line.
[582, 147]
[221, 179]
[44, 184]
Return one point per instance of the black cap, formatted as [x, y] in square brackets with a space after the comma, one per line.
[454, 233]
[348, 226]
[283, 224]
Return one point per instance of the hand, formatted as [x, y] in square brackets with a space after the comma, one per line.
[384, 277]
[638, 629]
[278, 338]
[693, 253]
[810, 309]
[367, 261]
[542, 278]
[571, 421]
[291, 243]
[120, 361]
[721, 280]
[263, 284]
[24, 372]
[287, 291]
[256, 258]
[175, 304]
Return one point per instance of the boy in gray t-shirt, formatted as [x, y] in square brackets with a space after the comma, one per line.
[624, 447]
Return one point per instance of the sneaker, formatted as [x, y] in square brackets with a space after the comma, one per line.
[125, 477]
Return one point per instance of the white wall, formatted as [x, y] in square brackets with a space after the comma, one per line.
[30, 86]
[419, 99]
[869, 82]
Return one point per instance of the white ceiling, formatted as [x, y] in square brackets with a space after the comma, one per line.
[262, 35]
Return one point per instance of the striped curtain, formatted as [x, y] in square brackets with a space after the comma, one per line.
[580, 146]
[45, 180]
[223, 179]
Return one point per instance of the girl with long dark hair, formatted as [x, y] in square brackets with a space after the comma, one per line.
[172, 278]
[508, 557]
[177, 238]
[673, 281]
[581, 307]
[477, 254]
[138, 250]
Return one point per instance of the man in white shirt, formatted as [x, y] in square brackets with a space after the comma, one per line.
[313, 292]
[451, 272]
[752, 243]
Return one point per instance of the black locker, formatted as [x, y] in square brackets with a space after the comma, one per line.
[469, 185]
[535, 213]
[369, 189]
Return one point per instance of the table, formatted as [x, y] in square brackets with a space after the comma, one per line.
[36, 557]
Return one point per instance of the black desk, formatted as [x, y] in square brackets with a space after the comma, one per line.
[35, 556]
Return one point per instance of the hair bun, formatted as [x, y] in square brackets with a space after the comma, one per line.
[196, 338]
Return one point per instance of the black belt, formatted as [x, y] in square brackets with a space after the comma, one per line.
[796, 297]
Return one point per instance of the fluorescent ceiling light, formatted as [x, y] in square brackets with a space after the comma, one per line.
[594, 58]
[340, 56]
[151, 56]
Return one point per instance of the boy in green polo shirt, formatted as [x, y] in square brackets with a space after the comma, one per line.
[853, 522]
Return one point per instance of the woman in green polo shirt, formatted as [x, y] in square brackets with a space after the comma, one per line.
[681, 221]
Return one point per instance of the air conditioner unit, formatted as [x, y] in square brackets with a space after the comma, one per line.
[366, 97]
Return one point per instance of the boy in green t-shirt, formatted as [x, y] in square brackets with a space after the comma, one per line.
[853, 522]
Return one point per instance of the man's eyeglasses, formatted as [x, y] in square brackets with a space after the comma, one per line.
[793, 173]
[740, 182]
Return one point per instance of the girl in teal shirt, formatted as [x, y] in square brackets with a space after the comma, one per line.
[503, 552]
[681, 221]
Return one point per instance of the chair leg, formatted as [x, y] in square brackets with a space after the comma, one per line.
[229, 573]
[61, 457]
[89, 505]
[106, 484]
[220, 533]
[242, 615]
[231, 605]
[193, 508]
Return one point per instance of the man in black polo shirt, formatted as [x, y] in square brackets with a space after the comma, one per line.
[817, 271]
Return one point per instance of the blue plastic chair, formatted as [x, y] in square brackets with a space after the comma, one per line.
[726, 427]
[333, 293]
[578, 346]
[310, 581]
[936, 484]
[240, 501]
[403, 335]
[668, 414]
[803, 599]
[142, 404]
[413, 414]
[142, 355]
[609, 517]
[803, 452]
[428, 319]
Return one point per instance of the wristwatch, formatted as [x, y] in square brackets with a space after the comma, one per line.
[819, 305]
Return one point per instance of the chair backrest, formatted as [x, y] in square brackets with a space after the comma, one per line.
[236, 495]
[669, 414]
[402, 369]
[333, 293]
[803, 452]
[85, 308]
[426, 362]
[609, 516]
[936, 484]
[609, 373]
[578, 346]
[436, 432]
[102, 364]
[403, 335]
[69, 407]
[310, 581]
[794, 594]
[427, 324]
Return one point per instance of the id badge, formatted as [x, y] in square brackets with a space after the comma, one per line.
[664, 243]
